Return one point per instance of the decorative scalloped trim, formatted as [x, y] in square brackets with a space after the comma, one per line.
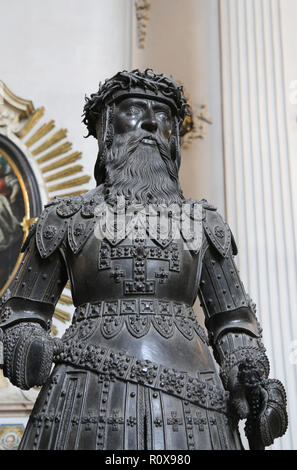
[217, 232]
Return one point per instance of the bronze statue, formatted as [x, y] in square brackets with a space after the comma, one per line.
[135, 370]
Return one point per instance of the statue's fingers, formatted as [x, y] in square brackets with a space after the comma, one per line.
[239, 402]
[241, 407]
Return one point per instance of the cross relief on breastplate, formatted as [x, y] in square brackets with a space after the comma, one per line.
[140, 253]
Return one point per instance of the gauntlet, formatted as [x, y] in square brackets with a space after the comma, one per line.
[244, 372]
[28, 354]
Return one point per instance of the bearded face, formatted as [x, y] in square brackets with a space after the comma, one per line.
[142, 172]
[139, 164]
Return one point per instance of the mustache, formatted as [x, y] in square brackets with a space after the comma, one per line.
[131, 142]
[125, 147]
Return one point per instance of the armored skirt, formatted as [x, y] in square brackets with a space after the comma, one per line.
[113, 393]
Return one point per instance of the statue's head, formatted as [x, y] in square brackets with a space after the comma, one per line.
[137, 114]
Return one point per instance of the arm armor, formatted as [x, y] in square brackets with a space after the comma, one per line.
[230, 317]
[26, 312]
[235, 335]
[36, 288]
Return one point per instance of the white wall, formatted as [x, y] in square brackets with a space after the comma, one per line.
[54, 52]
[183, 41]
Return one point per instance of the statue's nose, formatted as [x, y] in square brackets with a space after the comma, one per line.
[149, 122]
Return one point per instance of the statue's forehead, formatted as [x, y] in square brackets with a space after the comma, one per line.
[145, 100]
[157, 95]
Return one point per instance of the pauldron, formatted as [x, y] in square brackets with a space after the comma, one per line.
[217, 231]
[53, 224]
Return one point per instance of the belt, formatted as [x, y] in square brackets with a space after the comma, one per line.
[111, 365]
[139, 314]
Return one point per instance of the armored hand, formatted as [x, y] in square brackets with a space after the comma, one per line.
[262, 401]
[28, 354]
[267, 418]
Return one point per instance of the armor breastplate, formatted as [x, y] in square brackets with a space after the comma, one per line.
[102, 271]
[133, 293]
[136, 297]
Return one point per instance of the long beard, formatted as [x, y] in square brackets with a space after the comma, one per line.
[141, 173]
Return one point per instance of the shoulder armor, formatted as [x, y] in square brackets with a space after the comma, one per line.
[205, 204]
[217, 231]
[52, 226]
[90, 202]
[69, 215]
[68, 206]
[234, 246]
[82, 223]
[79, 229]
[32, 231]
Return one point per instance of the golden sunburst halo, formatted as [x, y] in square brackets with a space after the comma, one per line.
[54, 160]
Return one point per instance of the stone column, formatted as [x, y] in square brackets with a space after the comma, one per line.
[259, 172]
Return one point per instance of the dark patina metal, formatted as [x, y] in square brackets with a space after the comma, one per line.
[135, 369]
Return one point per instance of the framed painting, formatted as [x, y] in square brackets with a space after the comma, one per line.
[11, 435]
[20, 204]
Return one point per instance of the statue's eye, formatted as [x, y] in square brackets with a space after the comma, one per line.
[162, 115]
[133, 111]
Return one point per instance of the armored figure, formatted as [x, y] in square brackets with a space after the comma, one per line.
[135, 369]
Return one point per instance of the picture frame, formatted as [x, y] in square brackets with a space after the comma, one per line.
[20, 205]
[11, 432]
